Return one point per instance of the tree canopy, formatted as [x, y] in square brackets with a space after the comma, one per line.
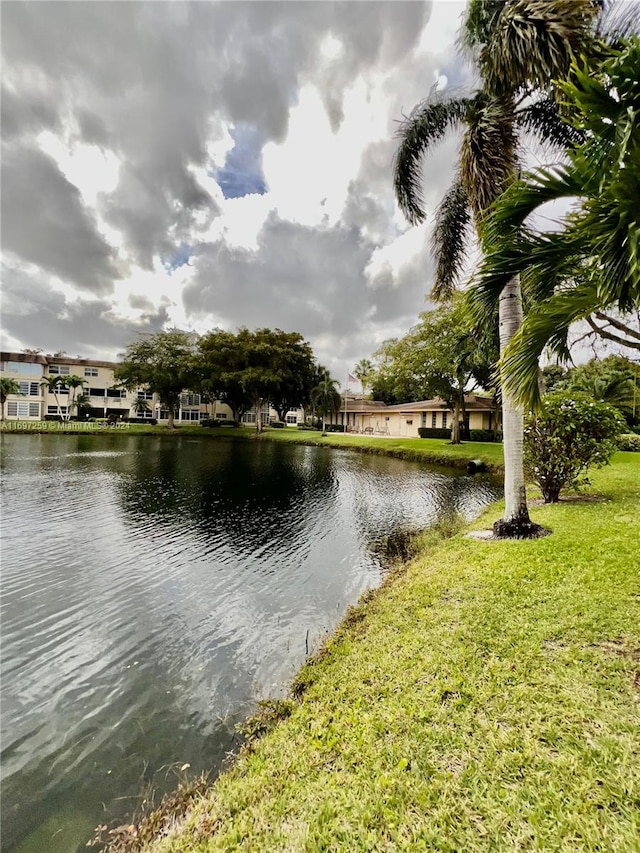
[161, 362]
[441, 356]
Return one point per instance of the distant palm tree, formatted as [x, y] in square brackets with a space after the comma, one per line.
[326, 399]
[7, 387]
[363, 371]
[73, 382]
[53, 384]
[140, 406]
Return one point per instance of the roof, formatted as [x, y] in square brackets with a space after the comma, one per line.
[45, 359]
[473, 402]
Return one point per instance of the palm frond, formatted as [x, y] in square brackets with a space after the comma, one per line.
[449, 240]
[488, 152]
[543, 118]
[535, 41]
[426, 125]
[545, 327]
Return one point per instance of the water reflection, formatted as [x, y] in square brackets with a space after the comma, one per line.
[154, 587]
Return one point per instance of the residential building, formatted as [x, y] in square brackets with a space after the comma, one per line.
[404, 419]
[36, 401]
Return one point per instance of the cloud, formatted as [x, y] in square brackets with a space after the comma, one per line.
[45, 222]
[228, 163]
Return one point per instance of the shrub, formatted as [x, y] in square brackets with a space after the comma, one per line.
[567, 436]
[629, 441]
[210, 422]
[428, 432]
[335, 428]
[150, 421]
[277, 425]
[484, 435]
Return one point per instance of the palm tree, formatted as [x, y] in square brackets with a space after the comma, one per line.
[593, 264]
[140, 406]
[363, 372]
[73, 382]
[53, 384]
[518, 47]
[326, 399]
[7, 387]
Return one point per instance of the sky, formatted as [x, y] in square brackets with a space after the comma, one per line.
[216, 164]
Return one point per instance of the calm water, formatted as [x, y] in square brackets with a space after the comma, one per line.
[154, 588]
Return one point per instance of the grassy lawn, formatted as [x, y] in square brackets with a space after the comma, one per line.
[485, 699]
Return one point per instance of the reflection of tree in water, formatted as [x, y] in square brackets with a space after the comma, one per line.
[255, 490]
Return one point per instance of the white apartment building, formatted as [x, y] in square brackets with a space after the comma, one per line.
[36, 401]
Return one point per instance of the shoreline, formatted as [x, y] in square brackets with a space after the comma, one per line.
[484, 694]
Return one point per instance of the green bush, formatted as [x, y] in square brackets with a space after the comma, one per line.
[629, 441]
[428, 432]
[277, 424]
[484, 435]
[210, 422]
[567, 436]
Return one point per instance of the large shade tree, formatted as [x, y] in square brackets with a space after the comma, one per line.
[441, 356]
[592, 265]
[519, 47]
[161, 362]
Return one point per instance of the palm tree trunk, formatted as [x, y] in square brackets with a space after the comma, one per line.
[515, 522]
[455, 426]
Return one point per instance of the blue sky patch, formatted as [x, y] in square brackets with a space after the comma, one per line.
[178, 258]
[242, 171]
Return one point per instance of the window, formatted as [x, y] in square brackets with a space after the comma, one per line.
[60, 389]
[23, 368]
[145, 395]
[386, 417]
[423, 419]
[190, 415]
[53, 410]
[444, 420]
[433, 420]
[204, 416]
[148, 414]
[30, 389]
[23, 410]
[292, 419]
[190, 399]
[249, 418]
[409, 423]
[116, 392]
[222, 416]
[59, 369]
[91, 371]
[97, 392]
[164, 415]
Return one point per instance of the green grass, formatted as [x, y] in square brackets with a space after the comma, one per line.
[485, 699]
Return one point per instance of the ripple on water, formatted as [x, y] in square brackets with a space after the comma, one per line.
[150, 596]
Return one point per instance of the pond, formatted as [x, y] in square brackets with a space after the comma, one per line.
[154, 588]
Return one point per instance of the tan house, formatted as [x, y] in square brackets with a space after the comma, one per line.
[403, 419]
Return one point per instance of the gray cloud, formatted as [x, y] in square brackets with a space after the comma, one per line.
[39, 316]
[308, 279]
[156, 83]
[45, 222]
